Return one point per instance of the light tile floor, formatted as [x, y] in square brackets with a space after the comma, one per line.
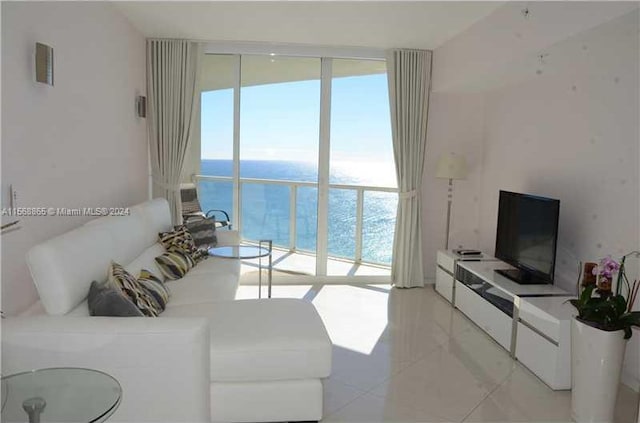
[407, 356]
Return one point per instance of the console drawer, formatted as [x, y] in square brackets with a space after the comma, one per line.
[492, 320]
[545, 314]
[444, 283]
[446, 261]
[551, 362]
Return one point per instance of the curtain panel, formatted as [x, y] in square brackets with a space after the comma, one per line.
[409, 75]
[173, 71]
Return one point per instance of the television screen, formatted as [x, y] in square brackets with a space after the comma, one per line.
[526, 236]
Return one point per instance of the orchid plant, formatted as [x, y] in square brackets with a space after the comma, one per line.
[608, 310]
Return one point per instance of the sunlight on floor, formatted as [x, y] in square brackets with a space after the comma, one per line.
[250, 291]
[344, 308]
[355, 316]
[407, 355]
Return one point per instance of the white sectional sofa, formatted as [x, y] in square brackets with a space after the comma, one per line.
[207, 357]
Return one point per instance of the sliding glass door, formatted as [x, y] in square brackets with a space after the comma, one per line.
[300, 149]
[279, 118]
[217, 132]
[362, 201]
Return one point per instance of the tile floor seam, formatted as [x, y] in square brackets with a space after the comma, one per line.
[479, 403]
[362, 394]
[401, 370]
[368, 390]
[495, 388]
[372, 395]
[416, 361]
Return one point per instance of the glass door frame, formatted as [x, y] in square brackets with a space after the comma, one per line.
[324, 158]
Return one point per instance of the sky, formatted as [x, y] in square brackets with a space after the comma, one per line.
[280, 121]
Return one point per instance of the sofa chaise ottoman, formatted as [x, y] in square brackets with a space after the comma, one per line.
[207, 357]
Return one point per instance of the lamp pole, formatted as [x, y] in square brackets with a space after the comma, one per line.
[450, 199]
[450, 166]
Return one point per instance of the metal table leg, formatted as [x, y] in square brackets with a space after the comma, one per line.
[269, 269]
[270, 265]
[260, 272]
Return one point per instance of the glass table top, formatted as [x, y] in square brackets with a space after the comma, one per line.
[63, 394]
[239, 251]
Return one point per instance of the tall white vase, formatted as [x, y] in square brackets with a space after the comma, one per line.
[596, 364]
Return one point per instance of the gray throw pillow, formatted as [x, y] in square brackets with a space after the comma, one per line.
[106, 300]
[203, 232]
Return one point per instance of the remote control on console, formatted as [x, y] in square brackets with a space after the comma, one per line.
[467, 252]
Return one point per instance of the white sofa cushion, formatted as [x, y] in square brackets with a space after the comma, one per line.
[263, 340]
[212, 283]
[146, 260]
[202, 288]
[298, 400]
[64, 267]
[213, 279]
[156, 216]
[216, 266]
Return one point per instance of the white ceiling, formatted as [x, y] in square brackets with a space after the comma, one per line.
[378, 24]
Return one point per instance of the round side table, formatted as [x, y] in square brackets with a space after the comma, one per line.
[62, 394]
[245, 252]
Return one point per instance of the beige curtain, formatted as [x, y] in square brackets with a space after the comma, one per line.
[173, 70]
[409, 74]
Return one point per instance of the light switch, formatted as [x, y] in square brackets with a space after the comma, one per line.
[13, 197]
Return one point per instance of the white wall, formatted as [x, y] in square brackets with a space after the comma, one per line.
[566, 127]
[456, 123]
[78, 143]
[572, 133]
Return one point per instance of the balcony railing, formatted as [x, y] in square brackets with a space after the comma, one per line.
[294, 188]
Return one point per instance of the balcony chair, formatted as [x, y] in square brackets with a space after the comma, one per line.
[191, 209]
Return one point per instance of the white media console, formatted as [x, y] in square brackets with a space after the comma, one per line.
[532, 322]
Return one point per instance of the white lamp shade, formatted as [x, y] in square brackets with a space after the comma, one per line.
[452, 166]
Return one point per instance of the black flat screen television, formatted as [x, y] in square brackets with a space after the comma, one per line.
[526, 237]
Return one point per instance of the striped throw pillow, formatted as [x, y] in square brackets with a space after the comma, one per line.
[155, 287]
[203, 232]
[175, 263]
[127, 283]
[182, 239]
[105, 299]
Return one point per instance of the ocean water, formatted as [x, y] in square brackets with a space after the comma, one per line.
[265, 210]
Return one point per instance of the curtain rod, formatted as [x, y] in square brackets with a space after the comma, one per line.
[297, 49]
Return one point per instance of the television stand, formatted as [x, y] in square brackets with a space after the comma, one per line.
[523, 278]
[532, 322]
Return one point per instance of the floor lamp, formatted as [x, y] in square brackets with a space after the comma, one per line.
[451, 166]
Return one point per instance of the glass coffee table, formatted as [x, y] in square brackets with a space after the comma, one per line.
[62, 394]
[246, 252]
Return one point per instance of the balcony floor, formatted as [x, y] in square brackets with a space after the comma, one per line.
[291, 266]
